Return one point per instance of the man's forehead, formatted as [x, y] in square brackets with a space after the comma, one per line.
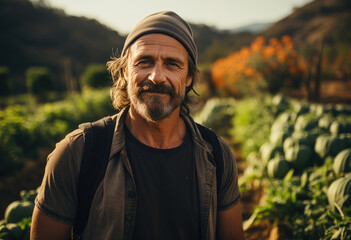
[152, 42]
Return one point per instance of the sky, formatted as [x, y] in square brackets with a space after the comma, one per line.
[123, 15]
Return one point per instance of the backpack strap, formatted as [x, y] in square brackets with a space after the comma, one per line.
[211, 137]
[97, 145]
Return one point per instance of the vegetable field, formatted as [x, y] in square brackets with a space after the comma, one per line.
[296, 155]
[299, 154]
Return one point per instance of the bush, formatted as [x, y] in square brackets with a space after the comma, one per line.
[217, 114]
[96, 76]
[4, 81]
[39, 82]
[24, 130]
[11, 129]
[259, 68]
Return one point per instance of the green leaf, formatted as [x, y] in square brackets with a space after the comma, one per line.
[288, 176]
[247, 224]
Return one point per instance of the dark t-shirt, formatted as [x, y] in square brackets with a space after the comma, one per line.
[167, 192]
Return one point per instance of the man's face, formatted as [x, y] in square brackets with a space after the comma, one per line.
[157, 75]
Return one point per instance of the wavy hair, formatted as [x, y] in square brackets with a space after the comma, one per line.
[119, 93]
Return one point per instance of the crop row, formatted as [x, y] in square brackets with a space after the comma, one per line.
[299, 153]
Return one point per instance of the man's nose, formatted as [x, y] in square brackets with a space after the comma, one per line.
[157, 74]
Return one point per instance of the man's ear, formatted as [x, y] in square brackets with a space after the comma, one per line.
[189, 80]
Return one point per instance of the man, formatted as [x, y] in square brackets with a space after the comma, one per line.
[160, 182]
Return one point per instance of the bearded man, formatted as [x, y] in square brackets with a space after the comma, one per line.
[160, 181]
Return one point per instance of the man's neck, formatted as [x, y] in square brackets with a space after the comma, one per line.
[163, 134]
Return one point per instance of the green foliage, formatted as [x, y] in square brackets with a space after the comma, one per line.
[4, 81]
[251, 123]
[269, 151]
[12, 134]
[18, 217]
[283, 127]
[339, 193]
[278, 167]
[23, 130]
[299, 156]
[281, 203]
[217, 114]
[96, 76]
[39, 81]
[18, 210]
[342, 162]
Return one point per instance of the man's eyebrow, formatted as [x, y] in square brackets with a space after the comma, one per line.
[168, 59]
[176, 60]
[139, 57]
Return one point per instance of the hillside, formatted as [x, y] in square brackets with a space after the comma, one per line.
[254, 27]
[34, 35]
[213, 43]
[321, 19]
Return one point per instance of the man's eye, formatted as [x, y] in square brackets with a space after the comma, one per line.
[143, 62]
[172, 64]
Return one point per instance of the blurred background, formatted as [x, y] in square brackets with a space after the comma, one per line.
[53, 76]
[66, 37]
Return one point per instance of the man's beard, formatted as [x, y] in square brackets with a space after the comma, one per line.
[154, 109]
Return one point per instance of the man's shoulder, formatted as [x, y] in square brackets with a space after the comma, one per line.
[72, 140]
[77, 135]
[224, 145]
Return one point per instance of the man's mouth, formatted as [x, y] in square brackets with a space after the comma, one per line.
[160, 89]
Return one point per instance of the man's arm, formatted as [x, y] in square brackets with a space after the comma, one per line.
[229, 224]
[44, 227]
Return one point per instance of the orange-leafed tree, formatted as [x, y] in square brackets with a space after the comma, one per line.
[263, 66]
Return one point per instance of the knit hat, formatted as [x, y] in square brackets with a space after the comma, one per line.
[168, 23]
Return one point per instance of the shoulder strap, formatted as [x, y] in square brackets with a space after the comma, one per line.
[211, 137]
[97, 145]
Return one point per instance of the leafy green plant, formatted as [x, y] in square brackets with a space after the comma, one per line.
[18, 217]
[281, 203]
[300, 200]
[39, 82]
[23, 130]
[252, 120]
[217, 114]
[96, 76]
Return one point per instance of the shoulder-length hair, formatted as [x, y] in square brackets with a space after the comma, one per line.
[118, 91]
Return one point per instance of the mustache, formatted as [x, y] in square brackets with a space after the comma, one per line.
[159, 88]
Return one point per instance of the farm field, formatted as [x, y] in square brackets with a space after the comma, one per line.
[279, 96]
[274, 140]
[294, 155]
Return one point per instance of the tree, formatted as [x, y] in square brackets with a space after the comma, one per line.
[262, 66]
[39, 82]
[96, 76]
[4, 81]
